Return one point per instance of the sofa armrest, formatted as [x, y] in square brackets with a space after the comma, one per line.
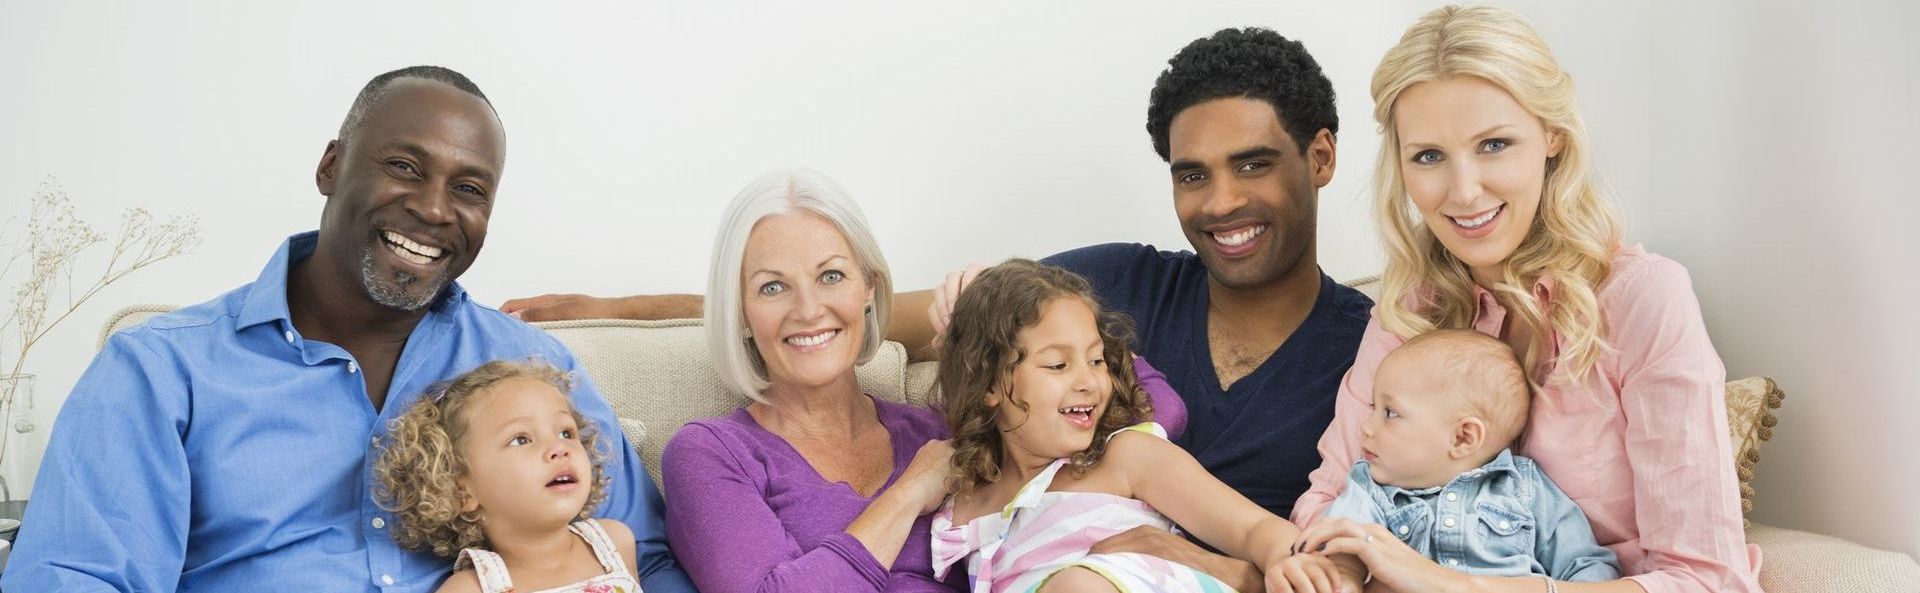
[1798, 561]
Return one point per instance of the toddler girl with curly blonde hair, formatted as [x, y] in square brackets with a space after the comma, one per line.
[496, 469]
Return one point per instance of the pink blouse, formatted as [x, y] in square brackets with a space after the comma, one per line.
[1641, 444]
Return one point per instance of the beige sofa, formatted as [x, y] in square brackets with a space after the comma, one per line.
[658, 376]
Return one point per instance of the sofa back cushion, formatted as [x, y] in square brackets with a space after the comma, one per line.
[657, 374]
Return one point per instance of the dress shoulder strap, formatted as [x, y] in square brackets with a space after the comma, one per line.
[602, 544]
[1152, 428]
[490, 568]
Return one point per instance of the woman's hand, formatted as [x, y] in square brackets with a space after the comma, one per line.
[1389, 560]
[924, 482]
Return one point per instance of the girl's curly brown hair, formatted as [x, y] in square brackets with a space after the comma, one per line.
[419, 468]
[982, 347]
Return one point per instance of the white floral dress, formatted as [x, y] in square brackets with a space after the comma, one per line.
[492, 570]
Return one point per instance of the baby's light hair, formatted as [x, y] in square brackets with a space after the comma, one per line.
[418, 471]
[1481, 370]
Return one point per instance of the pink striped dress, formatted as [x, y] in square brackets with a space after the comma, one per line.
[1040, 533]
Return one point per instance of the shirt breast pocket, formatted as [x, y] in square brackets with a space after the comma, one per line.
[1504, 534]
[1410, 523]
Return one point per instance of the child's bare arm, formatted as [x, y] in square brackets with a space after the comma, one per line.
[623, 541]
[1167, 477]
[465, 581]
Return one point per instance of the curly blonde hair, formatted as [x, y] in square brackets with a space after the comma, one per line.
[419, 468]
[1572, 240]
[982, 347]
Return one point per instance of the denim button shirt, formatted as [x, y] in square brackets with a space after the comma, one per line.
[1505, 518]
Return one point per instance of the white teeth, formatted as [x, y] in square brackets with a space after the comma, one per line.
[1479, 221]
[1077, 410]
[1240, 237]
[429, 253]
[415, 258]
[813, 340]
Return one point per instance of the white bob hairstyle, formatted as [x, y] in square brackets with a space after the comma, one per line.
[800, 190]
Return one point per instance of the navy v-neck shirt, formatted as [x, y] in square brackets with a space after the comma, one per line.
[1258, 436]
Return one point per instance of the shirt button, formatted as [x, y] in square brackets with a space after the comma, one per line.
[387, 579]
[1452, 497]
[1448, 522]
[379, 523]
[352, 367]
[1403, 530]
[289, 336]
[1505, 525]
[1453, 561]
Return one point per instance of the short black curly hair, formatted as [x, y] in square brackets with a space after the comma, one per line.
[1255, 63]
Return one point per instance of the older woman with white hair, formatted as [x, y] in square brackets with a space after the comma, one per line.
[814, 486]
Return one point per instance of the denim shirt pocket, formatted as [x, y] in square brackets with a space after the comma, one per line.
[1410, 523]
[1506, 536]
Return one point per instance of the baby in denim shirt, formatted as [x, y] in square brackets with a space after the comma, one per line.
[1438, 474]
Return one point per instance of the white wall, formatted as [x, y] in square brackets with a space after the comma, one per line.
[969, 132]
[1781, 145]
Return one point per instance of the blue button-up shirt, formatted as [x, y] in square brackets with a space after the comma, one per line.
[1505, 518]
[215, 449]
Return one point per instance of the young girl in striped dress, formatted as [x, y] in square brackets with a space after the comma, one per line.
[1054, 451]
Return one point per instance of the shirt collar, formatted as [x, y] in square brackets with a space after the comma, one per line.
[267, 297]
[1502, 463]
[1490, 307]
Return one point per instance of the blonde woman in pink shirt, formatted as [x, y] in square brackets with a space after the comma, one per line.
[1493, 221]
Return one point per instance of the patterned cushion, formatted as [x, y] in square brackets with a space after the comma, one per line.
[1750, 421]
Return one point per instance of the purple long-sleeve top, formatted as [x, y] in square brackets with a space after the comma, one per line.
[747, 513]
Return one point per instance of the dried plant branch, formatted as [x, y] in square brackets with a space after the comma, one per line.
[55, 241]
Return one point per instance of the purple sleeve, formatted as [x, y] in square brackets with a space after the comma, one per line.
[727, 537]
[1168, 409]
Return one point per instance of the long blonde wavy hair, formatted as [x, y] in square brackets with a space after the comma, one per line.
[1573, 237]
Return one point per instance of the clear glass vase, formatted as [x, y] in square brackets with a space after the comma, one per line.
[16, 409]
[16, 413]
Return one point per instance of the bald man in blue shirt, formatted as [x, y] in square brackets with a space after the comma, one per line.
[227, 446]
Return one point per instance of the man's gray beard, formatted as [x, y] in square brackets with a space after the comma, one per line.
[394, 294]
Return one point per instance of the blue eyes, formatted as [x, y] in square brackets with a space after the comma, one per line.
[1488, 146]
[829, 277]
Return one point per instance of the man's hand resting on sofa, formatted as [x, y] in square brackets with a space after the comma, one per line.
[557, 307]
